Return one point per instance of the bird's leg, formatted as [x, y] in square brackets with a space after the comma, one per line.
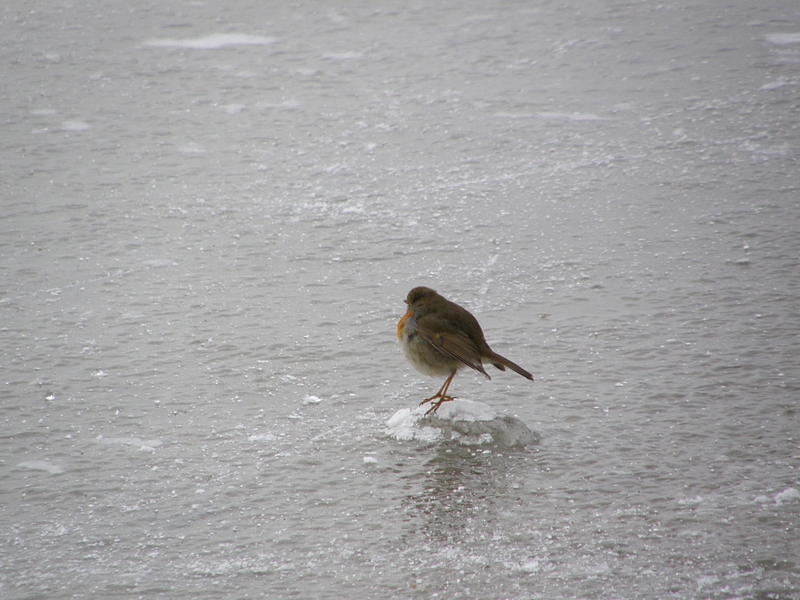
[442, 390]
[441, 395]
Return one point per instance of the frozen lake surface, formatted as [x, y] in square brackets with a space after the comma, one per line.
[211, 213]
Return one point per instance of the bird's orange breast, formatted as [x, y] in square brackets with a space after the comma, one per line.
[401, 324]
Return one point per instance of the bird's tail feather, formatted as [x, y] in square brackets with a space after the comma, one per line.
[501, 362]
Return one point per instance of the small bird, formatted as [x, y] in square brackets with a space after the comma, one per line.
[439, 337]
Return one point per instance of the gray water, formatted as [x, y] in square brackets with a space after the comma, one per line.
[206, 240]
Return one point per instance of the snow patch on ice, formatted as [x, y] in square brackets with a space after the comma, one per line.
[41, 465]
[342, 56]
[706, 580]
[465, 410]
[783, 38]
[778, 83]
[404, 426]
[513, 115]
[212, 42]
[690, 501]
[143, 445]
[75, 126]
[157, 263]
[466, 421]
[571, 116]
[285, 105]
[787, 495]
[234, 109]
[191, 149]
[531, 566]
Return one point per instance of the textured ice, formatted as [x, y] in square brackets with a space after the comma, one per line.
[466, 421]
[200, 234]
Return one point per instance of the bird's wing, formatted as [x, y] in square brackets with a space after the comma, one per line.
[452, 343]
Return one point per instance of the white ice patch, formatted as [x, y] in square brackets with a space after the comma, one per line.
[234, 109]
[404, 426]
[157, 263]
[465, 410]
[41, 465]
[706, 581]
[571, 116]
[342, 56]
[468, 422]
[75, 126]
[783, 38]
[514, 115]
[133, 315]
[690, 501]
[213, 41]
[285, 105]
[531, 566]
[191, 149]
[143, 445]
[778, 83]
[787, 495]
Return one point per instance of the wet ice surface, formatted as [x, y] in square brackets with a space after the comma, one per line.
[211, 215]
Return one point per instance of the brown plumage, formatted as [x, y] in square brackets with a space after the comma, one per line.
[439, 337]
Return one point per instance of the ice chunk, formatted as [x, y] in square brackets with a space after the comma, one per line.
[787, 495]
[404, 426]
[466, 421]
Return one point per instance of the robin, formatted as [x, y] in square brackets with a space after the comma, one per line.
[439, 337]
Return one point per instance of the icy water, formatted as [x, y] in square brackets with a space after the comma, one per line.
[211, 213]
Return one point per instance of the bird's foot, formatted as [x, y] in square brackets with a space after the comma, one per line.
[435, 407]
